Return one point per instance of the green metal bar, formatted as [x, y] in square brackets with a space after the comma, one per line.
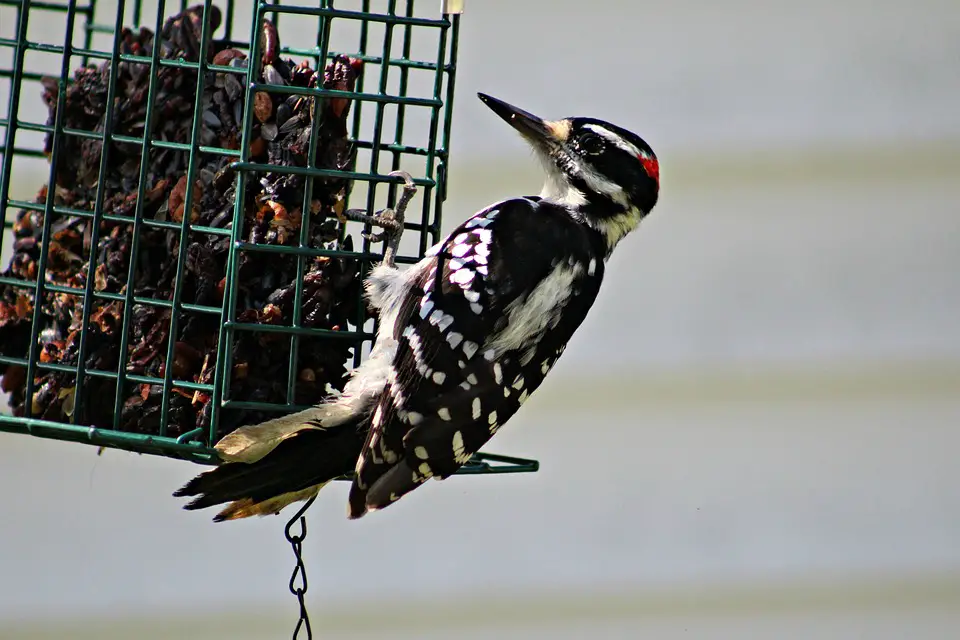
[159, 144]
[124, 57]
[364, 16]
[443, 168]
[181, 64]
[227, 26]
[276, 16]
[381, 98]
[13, 106]
[432, 141]
[302, 331]
[377, 140]
[190, 436]
[392, 148]
[20, 73]
[224, 364]
[80, 381]
[147, 223]
[243, 405]
[310, 252]
[182, 448]
[100, 28]
[87, 32]
[401, 108]
[105, 295]
[325, 173]
[186, 384]
[480, 463]
[39, 4]
[57, 49]
[130, 299]
[205, 37]
[94, 54]
[293, 364]
[30, 153]
[136, 442]
[360, 312]
[107, 375]
[403, 149]
[322, 46]
[367, 59]
[47, 220]
[362, 49]
[168, 304]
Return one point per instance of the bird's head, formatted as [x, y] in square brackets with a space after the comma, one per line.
[606, 176]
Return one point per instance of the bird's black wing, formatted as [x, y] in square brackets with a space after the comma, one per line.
[483, 323]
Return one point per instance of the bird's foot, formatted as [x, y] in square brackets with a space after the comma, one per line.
[390, 220]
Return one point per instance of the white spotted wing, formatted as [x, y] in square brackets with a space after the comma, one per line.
[489, 313]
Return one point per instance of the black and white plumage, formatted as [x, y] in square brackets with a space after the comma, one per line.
[469, 332]
[479, 325]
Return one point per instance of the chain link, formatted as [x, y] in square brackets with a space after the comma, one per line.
[298, 581]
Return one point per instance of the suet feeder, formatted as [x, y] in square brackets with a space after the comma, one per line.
[186, 268]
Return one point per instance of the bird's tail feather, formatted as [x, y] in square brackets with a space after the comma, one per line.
[251, 443]
[273, 464]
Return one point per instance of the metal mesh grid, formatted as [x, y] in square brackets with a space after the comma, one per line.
[400, 120]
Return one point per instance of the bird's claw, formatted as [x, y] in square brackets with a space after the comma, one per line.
[390, 219]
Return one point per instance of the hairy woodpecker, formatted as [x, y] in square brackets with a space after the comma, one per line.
[465, 335]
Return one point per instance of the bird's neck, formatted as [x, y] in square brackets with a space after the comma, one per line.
[611, 219]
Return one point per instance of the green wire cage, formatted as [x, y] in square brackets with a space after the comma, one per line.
[186, 267]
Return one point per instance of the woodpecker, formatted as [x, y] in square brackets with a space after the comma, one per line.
[465, 335]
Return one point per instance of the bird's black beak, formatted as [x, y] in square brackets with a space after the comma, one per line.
[537, 130]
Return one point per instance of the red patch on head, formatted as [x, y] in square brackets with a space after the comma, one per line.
[651, 166]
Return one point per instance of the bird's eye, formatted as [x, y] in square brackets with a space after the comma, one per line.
[590, 144]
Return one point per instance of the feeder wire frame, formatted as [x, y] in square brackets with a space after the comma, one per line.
[195, 445]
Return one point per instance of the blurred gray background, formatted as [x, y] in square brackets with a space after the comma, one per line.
[755, 433]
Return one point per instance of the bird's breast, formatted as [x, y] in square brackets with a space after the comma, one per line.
[528, 317]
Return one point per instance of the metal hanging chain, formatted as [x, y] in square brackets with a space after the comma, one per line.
[298, 581]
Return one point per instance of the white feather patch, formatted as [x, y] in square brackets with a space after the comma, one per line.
[617, 141]
[462, 276]
[528, 318]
